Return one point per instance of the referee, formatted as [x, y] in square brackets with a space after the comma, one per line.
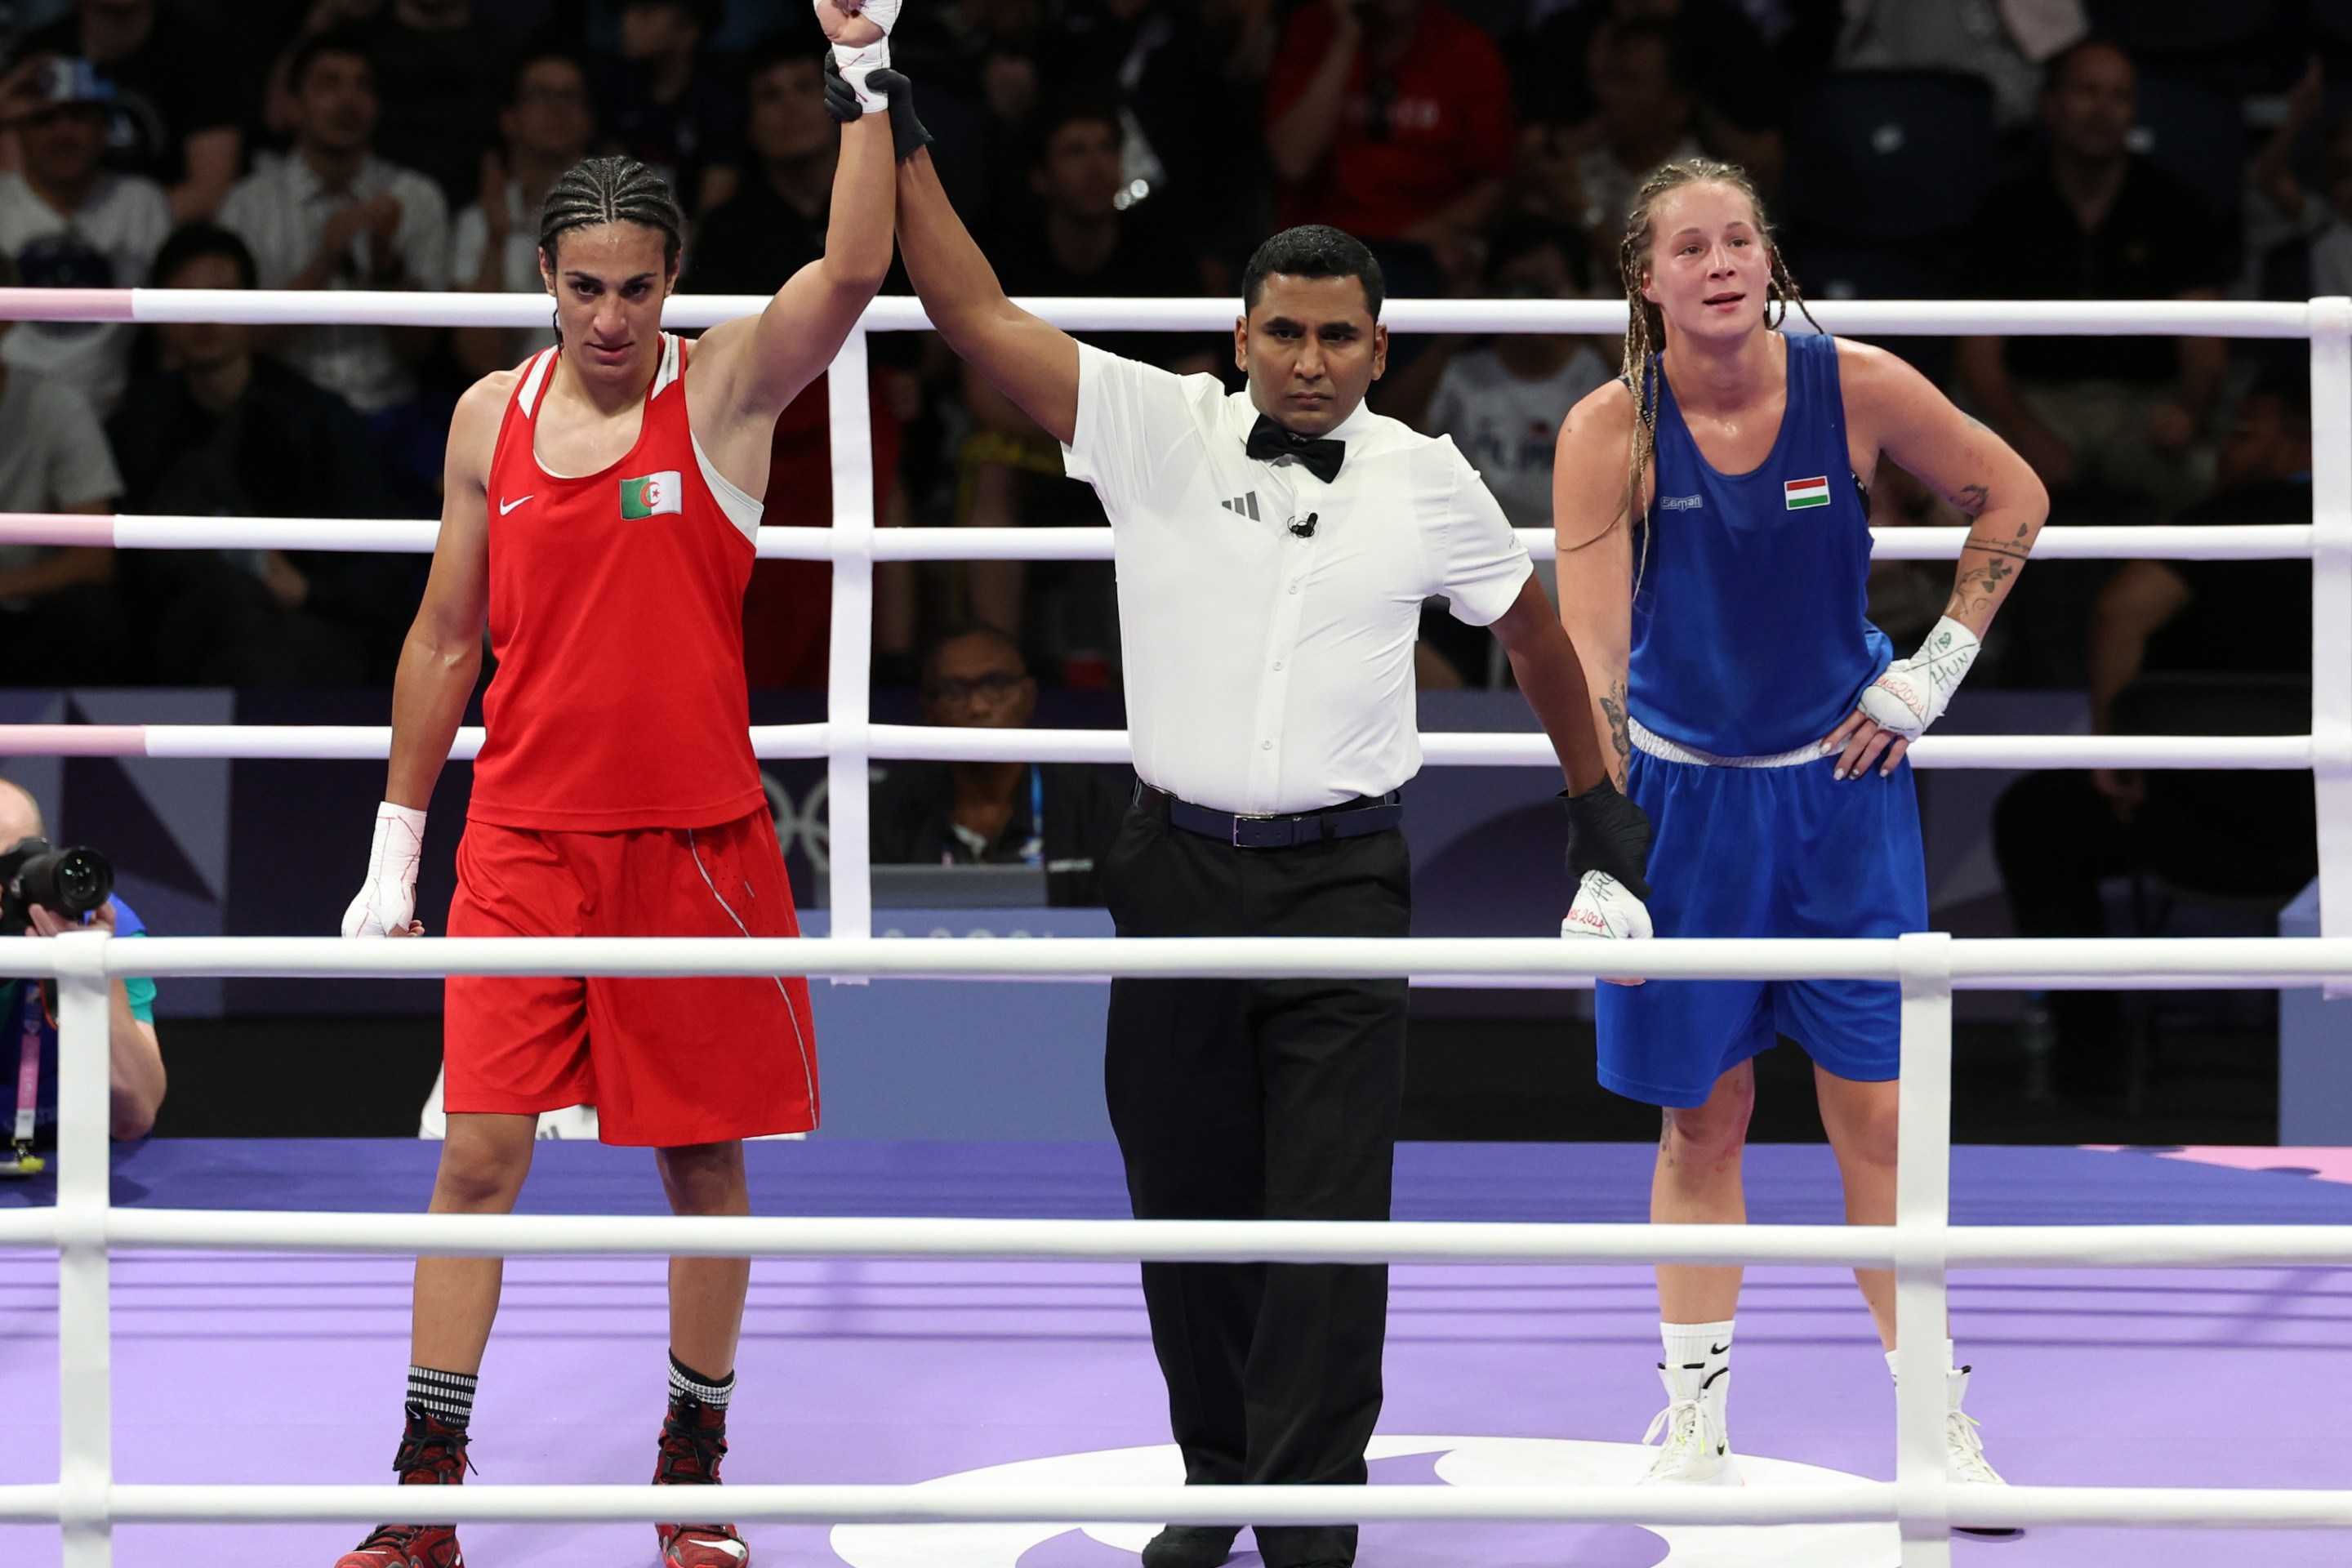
[1273, 551]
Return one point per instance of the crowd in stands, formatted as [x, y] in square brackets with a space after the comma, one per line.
[2022, 149]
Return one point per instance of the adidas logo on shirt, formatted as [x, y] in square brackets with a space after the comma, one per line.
[1244, 506]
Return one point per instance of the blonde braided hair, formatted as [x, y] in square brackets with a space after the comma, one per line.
[1646, 324]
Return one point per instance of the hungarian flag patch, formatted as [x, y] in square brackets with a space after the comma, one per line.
[1804, 493]
[658, 493]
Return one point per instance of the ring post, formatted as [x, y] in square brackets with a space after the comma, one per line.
[849, 888]
[85, 1330]
[1923, 1190]
[2331, 608]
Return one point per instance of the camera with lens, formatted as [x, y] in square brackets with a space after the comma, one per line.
[69, 882]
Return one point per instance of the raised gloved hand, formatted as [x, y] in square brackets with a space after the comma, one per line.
[843, 102]
[387, 899]
[1913, 691]
[860, 33]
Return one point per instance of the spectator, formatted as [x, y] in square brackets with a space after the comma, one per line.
[1719, 52]
[1061, 816]
[60, 623]
[1643, 114]
[2323, 218]
[2094, 220]
[134, 1058]
[976, 59]
[176, 114]
[437, 70]
[1082, 239]
[222, 432]
[332, 214]
[1503, 404]
[1391, 120]
[664, 103]
[752, 244]
[773, 224]
[2057, 834]
[1081, 245]
[1181, 143]
[68, 223]
[494, 245]
[2001, 42]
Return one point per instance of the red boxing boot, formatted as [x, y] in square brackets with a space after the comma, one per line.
[693, 1441]
[432, 1453]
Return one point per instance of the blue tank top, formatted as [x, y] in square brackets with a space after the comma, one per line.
[1749, 635]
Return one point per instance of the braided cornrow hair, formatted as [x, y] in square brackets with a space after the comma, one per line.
[1646, 324]
[611, 190]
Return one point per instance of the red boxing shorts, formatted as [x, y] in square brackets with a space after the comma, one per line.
[666, 1062]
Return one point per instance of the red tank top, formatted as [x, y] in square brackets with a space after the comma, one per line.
[616, 617]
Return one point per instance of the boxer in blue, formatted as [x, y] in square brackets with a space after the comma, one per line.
[1713, 542]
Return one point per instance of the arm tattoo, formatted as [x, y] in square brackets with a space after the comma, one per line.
[1973, 499]
[1985, 566]
[1620, 740]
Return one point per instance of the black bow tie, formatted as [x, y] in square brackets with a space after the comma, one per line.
[1321, 454]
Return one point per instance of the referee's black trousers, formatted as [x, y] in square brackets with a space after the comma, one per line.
[1262, 1100]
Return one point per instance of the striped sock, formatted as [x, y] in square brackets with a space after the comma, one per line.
[685, 1383]
[446, 1397]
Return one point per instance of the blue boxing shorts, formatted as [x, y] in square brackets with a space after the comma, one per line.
[1765, 851]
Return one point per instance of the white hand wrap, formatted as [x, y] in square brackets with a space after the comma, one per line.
[1913, 691]
[387, 899]
[858, 63]
[1605, 907]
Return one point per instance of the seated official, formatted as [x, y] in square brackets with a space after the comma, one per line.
[136, 1059]
[1059, 816]
[2058, 835]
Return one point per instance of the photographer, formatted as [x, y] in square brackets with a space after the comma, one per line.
[136, 1059]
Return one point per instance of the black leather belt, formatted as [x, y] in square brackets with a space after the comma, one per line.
[1351, 819]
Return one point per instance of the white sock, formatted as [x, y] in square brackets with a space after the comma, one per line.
[1698, 1361]
[1952, 1365]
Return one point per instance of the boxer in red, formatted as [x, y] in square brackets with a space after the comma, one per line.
[601, 517]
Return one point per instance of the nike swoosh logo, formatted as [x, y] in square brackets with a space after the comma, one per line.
[1720, 1349]
[507, 506]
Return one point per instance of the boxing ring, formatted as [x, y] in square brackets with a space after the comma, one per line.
[87, 1227]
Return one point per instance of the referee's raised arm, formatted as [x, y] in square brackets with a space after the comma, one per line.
[1032, 362]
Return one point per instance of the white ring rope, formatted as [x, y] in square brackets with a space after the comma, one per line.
[924, 742]
[1451, 1242]
[1921, 1246]
[1999, 964]
[1850, 1502]
[900, 313]
[411, 536]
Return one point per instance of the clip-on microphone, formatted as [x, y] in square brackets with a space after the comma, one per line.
[1304, 530]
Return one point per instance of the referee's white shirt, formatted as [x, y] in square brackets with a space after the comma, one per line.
[1266, 672]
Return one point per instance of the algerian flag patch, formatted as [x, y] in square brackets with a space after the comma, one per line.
[658, 494]
[1807, 492]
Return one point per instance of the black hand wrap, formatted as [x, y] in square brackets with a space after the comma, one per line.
[1608, 832]
[906, 133]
